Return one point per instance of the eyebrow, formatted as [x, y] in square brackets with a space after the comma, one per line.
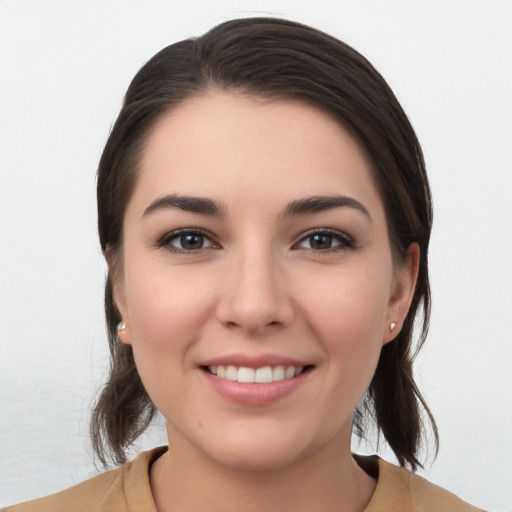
[316, 204]
[200, 205]
[304, 206]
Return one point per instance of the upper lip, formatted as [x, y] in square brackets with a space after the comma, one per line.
[244, 360]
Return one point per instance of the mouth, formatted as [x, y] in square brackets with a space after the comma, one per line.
[262, 375]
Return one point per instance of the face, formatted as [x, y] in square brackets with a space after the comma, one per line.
[256, 279]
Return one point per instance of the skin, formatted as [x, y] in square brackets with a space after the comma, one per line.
[258, 286]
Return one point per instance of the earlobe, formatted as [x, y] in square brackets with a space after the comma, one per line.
[402, 293]
[116, 285]
[123, 333]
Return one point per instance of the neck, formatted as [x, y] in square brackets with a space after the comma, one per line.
[185, 480]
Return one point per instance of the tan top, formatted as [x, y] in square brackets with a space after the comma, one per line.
[127, 489]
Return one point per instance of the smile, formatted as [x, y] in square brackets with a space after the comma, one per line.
[262, 375]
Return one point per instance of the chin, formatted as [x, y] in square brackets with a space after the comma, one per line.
[257, 459]
[262, 451]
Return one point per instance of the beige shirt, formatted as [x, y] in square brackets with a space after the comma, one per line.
[127, 489]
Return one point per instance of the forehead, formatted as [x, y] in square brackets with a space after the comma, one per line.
[222, 144]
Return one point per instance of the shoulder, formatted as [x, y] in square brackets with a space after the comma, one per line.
[122, 489]
[433, 497]
[400, 490]
[84, 496]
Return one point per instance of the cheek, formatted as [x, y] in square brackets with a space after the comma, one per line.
[166, 307]
[347, 314]
[351, 303]
[167, 312]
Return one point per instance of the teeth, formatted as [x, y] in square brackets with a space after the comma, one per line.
[289, 372]
[231, 373]
[278, 373]
[245, 375]
[261, 375]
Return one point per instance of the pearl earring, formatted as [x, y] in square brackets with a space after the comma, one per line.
[121, 326]
[392, 326]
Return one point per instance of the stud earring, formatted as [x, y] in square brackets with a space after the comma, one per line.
[121, 326]
[392, 326]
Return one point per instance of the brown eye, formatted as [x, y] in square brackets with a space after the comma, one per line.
[320, 242]
[326, 240]
[186, 241]
[190, 242]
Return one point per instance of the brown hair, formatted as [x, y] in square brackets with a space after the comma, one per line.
[275, 58]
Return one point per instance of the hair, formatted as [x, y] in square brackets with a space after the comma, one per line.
[275, 59]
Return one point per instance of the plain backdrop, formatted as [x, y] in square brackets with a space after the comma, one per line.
[64, 67]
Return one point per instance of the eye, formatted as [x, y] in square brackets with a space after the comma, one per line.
[325, 240]
[186, 240]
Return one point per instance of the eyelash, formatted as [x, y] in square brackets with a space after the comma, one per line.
[168, 238]
[344, 241]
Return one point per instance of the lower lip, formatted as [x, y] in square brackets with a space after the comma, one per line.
[255, 393]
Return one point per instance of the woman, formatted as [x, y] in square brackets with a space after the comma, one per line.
[265, 213]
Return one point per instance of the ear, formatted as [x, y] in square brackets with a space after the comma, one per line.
[115, 275]
[402, 292]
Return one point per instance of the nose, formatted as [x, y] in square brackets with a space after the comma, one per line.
[254, 294]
